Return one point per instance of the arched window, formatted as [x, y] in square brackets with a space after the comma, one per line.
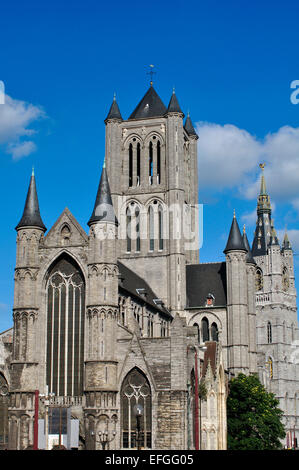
[160, 224]
[136, 390]
[205, 330]
[151, 228]
[133, 227]
[65, 235]
[259, 282]
[214, 332]
[65, 328]
[4, 402]
[269, 332]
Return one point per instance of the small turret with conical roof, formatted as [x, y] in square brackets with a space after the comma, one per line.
[237, 294]
[235, 241]
[114, 112]
[103, 208]
[189, 127]
[174, 106]
[31, 215]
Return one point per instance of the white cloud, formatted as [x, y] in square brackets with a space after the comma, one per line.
[15, 118]
[229, 157]
[249, 218]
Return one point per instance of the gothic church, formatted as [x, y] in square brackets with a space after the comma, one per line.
[123, 324]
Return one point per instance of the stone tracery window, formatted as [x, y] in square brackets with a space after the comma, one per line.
[65, 328]
[136, 390]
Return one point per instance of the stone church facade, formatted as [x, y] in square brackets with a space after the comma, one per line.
[125, 314]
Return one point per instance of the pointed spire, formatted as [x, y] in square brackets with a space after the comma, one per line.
[151, 105]
[31, 215]
[286, 244]
[264, 224]
[263, 198]
[174, 106]
[103, 208]
[249, 257]
[189, 127]
[114, 112]
[274, 238]
[235, 240]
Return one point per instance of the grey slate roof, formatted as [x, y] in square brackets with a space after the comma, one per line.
[174, 106]
[114, 112]
[103, 208]
[204, 279]
[235, 240]
[130, 281]
[189, 127]
[151, 105]
[31, 215]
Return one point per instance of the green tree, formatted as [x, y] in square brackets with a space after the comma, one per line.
[253, 416]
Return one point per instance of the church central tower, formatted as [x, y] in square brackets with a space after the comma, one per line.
[152, 167]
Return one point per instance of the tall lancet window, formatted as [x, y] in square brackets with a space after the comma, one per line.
[129, 229]
[137, 221]
[160, 224]
[205, 330]
[136, 391]
[131, 165]
[151, 163]
[269, 332]
[151, 228]
[138, 164]
[65, 328]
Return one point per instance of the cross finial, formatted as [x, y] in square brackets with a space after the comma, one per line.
[151, 73]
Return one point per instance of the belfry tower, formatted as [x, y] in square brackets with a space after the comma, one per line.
[277, 326]
[152, 167]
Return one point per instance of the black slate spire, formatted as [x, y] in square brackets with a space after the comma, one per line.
[189, 127]
[235, 240]
[174, 106]
[263, 235]
[31, 215]
[103, 208]
[249, 257]
[114, 112]
[151, 105]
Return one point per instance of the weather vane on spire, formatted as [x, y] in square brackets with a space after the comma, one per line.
[262, 165]
[151, 73]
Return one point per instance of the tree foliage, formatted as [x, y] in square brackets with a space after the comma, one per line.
[253, 416]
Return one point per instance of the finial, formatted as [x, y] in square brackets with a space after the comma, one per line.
[151, 73]
[173, 90]
[104, 164]
[244, 231]
[32, 171]
[262, 165]
[188, 113]
[114, 96]
[234, 214]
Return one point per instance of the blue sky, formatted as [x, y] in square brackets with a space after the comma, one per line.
[231, 63]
